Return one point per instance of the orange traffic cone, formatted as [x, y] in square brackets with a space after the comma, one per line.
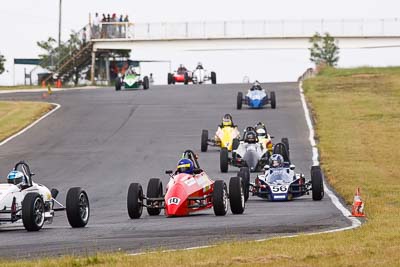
[358, 206]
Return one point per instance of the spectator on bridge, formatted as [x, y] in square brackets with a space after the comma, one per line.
[126, 19]
[83, 36]
[103, 26]
[96, 25]
[120, 20]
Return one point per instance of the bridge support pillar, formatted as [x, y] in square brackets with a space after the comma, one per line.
[107, 65]
[92, 67]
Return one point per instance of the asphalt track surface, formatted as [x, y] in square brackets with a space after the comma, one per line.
[103, 140]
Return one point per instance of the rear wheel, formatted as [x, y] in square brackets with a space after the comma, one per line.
[170, 77]
[213, 77]
[146, 83]
[236, 195]
[220, 198]
[135, 201]
[239, 100]
[317, 183]
[33, 212]
[223, 159]
[77, 207]
[204, 140]
[273, 100]
[154, 190]
[244, 173]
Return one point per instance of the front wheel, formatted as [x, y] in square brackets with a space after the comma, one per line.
[236, 195]
[77, 207]
[154, 190]
[146, 83]
[317, 184]
[244, 173]
[170, 77]
[220, 198]
[186, 78]
[273, 100]
[213, 77]
[204, 140]
[118, 84]
[239, 100]
[223, 159]
[33, 212]
[135, 201]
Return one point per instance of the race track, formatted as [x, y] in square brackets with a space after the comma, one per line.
[103, 140]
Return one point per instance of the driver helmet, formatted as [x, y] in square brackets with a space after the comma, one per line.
[185, 166]
[251, 137]
[199, 65]
[227, 120]
[276, 160]
[256, 84]
[261, 129]
[16, 177]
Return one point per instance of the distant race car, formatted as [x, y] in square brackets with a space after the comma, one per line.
[249, 153]
[34, 204]
[281, 183]
[132, 80]
[225, 137]
[200, 76]
[186, 193]
[182, 75]
[256, 97]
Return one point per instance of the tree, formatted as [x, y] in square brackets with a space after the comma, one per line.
[2, 61]
[324, 50]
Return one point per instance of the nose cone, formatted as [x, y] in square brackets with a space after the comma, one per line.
[176, 201]
[256, 103]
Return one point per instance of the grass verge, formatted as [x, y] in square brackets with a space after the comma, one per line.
[358, 124]
[15, 116]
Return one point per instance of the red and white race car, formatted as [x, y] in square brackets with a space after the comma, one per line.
[182, 75]
[186, 193]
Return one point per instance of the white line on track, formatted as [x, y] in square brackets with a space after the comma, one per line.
[56, 106]
[315, 158]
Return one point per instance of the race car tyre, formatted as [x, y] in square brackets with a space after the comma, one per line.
[317, 184]
[154, 190]
[244, 173]
[235, 143]
[135, 200]
[118, 84]
[33, 212]
[273, 100]
[285, 141]
[77, 206]
[239, 100]
[204, 140]
[146, 83]
[170, 77]
[220, 198]
[223, 159]
[186, 78]
[236, 195]
[213, 77]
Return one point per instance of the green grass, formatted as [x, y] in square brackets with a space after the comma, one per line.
[15, 116]
[19, 87]
[357, 112]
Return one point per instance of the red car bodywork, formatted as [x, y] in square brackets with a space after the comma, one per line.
[188, 193]
[179, 78]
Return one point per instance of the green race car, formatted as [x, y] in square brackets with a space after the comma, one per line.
[131, 80]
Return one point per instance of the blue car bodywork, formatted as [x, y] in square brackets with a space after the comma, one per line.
[256, 98]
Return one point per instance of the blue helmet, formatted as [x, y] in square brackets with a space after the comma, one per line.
[185, 166]
[16, 177]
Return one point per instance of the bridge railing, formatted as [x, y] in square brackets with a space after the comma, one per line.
[249, 29]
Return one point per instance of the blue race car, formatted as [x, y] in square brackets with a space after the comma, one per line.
[256, 97]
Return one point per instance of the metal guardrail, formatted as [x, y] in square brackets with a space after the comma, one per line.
[248, 29]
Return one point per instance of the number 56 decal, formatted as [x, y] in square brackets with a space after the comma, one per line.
[279, 188]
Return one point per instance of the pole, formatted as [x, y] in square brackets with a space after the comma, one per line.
[93, 66]
[59, 24]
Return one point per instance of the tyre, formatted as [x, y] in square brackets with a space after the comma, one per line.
[213, 77]
[135, 201]
[239, 100]
[285, 141]
[317, 184]
[204, 140]
[154, 190]
[33, 212]
[220, 198]
[146, 83]
[223, 159]
[236, 195]
[118, 84]
[186, 78]
[244, 173]
[235, 143]
[273, 100]
[170, 77]
[77, 206]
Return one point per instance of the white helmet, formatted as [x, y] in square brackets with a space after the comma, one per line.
[16, 177]
[261, 132]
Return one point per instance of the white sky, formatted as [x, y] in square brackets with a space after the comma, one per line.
[24, 22]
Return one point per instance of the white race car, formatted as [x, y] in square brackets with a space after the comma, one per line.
[200, 76]
[34, 204]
